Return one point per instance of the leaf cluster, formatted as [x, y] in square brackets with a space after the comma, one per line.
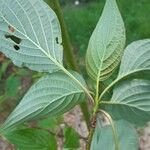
[31, 37]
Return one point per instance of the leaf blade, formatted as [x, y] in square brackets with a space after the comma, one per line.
[71, 139]
[103, 137]
[52, 95]
[37, 28]
[33, 139]
[140, 70]
[106, 43]
[130, 101]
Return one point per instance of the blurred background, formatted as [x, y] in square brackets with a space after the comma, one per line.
[81, 17]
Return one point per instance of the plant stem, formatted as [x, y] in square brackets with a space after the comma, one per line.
[68, 52]
[95, 109]
[90, 137]
[68, 49]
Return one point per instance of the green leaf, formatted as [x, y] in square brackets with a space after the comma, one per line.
[52, 95]
[32, 139]
[103, 137]
[50, 122]
[30, 34]
[135, 63]
[131, 94]
[106, 43]
[12, 85]
[130, 101]
[136, 60]
[71, 139]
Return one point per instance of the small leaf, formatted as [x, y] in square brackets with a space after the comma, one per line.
[135, 63]
[30, 34]
[52, 95]
[71, 139]
[130, 101]
[106, 43]
[32, 139]
[103, 137]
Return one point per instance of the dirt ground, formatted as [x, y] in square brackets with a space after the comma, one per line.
[145, 138]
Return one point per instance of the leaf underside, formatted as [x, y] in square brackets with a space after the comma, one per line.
[131, 97]
[135, 63]
[103, 137]
[106, 43]
[131, 101]
[52, 95]
[136, 57]
[30, 34]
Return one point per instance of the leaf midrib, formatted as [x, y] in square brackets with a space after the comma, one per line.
[101, 64]
[52, 59]
[120, 103]
[70, 93]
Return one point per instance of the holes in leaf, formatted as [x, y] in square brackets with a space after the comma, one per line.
[14, 39]
[16, 47]
[57, 41]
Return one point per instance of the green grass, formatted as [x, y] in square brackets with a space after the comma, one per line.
[136, 17]
[82, 20]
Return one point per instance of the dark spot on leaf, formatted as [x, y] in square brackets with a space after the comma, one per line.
[57, 40]
[16, 47]
[11, 28]
[13, 38]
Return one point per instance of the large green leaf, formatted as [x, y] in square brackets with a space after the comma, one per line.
[106, 43]
[30, 34]
[130, 101]
[52, 95]
[103, 137]
[32, 139]
[135, 63]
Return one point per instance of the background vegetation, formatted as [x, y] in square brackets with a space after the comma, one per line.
[80, 20]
